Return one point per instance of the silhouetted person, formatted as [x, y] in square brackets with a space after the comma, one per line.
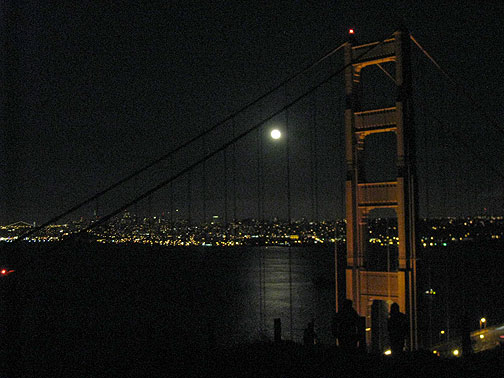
[309, 335]
[345, 326]
[397, 328]
[278, 330]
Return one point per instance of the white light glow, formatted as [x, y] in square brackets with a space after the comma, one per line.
[276, 134]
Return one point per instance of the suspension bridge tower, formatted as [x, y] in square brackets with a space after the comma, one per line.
[368, 287]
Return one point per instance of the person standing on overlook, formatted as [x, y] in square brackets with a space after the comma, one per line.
[345, 327]
[397, 325]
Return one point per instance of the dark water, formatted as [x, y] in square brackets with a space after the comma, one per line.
[109, 306]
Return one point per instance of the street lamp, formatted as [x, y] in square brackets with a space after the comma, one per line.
[482, 323]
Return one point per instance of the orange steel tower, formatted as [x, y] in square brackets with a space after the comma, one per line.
[364, 286]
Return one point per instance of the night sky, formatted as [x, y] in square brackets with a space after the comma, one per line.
[92, 92]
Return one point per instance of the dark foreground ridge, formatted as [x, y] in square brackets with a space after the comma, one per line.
[294, 360]
[284, 360]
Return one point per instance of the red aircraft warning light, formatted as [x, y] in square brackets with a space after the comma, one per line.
[5, 272]
[351, 31]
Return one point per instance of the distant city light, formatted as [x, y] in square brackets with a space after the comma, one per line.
[456, 352]
[178, 232]
[388, 352]
[351, 31]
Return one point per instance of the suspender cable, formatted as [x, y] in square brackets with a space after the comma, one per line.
[204, 181]
[314, 162]
[339, 293]
[260, 180]
[388, 261]
[189, 207]
[260, 217]
[136, 204]
[341, 167]
[234, 171]
[287, 156]
[149, 207]
[261, 282]
[171, 197]
[263, 179]
[259, 205]
[314, 180]
[263, 254]
[261, 167]
[258, 169]
[225, 188]
[97, 208]
[426, 161]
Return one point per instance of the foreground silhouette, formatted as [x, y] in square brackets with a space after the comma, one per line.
[346, 327]
[397, 325]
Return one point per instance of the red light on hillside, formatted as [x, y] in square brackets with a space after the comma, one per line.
[3, 271]
[351, 31]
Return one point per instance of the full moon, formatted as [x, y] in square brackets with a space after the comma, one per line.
[276, 134]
